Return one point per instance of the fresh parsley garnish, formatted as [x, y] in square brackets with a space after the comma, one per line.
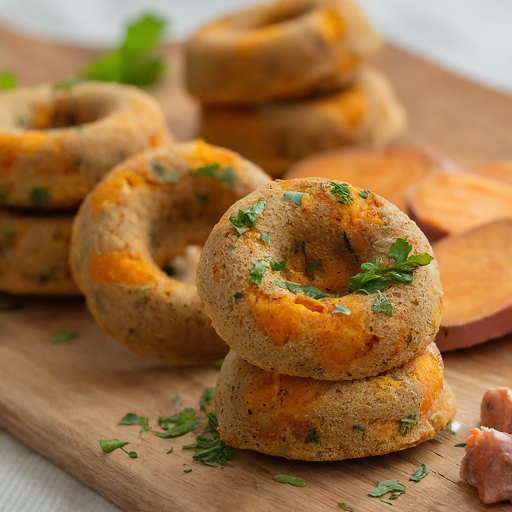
[344, 506]
[256, 272]
[339, 308]
[64, 336]
[211, 450]
[292, 480]
[247, 220]
[109, 445]
[382, 305]
[217, 364]
[206, 397]
[39, 197]
[310, 291]
[67, 84]
[228, 174]
[204, 197]
[420, 473]
[460, 445]
[265, 238]
[375, 278]
[178, 424]
[407, 424]
[278, 267]
[341, 191]
[8, 81]
[238, 295]
[364, 194]
[294, 197]
[313, 437]
[135, 61]
[134, 419]
[187, 471]
[386, 486]
[360, 428]
[163, 174]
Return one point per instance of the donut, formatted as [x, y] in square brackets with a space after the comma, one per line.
[276, 135]
[34, 254]
[56, 143]
[281, 287]
[280, 50]
[315, 420]
[143, 215]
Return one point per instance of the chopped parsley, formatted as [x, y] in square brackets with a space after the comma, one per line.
[344, 506]
[69, 83]
[360, 428]
[134, 419]
[278, 267]
[364, 194]
[313, 437]
[109, 445]
[420, 473]
[64, 336]
[310, 291]
[247, 220]
[217, 364]
[256, 273]
[8, 80]
[407, 424]
[292, 480]
[204, 197]
[341, 191]
[206, 398]
[265, 238]
[227, 175]
[386, 486]
[39, 197]
[163, 174]
[238, 295]
[178, 424]
[187, 471]
[341, 309]
[294, 197]
[460, 445]
[382, 305]
[136, 60]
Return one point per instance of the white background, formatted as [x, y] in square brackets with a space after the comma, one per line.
[472, 37]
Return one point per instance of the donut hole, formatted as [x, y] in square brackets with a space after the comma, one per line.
[68, 112]
[264, 18]
[184, 266]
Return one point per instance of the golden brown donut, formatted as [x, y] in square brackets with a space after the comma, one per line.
[279, 50]
[253, 283]
[316, 420]
[34, 254]
[141, 217]
[276, 135]
[55, 144]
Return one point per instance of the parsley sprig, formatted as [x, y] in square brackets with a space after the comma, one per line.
[392, 486]
[407, 423]
[109, 445]
[310, 291]
[247, 220]
[257, 272]
[227, 175]
[341, 191]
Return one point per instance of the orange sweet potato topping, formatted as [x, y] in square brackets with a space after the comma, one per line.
[113, 190]
[121, 268]
[429, 372]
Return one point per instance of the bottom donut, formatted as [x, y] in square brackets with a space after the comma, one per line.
[34, 254]
[313, 420]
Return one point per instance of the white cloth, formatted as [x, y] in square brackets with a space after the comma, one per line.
[471, 37]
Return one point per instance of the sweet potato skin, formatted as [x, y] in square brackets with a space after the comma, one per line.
[496, 409]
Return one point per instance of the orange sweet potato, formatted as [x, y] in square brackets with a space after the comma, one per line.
[388, 173]
[453, 202]
[501, 171]
[476, 274]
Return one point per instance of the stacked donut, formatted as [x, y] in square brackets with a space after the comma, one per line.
[55, 144]
[330, 300]
[287, 79]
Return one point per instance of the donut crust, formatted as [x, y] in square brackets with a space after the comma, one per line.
[143, 214]
[56, 144]
[315, 420]
[324, 242]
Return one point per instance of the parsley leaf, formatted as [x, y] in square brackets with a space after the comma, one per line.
[313, 437]
[228, 175]
[420, 473]
[256, 273]
[341, 309]
[460, 445]
[387, 486]
[187, 470]
[310, 291]
[364, 194]
[381, 305]
[39, 197]
[361, 428]
[292, 480]
[135, 60]
[163, 174]
[134, 419]
[8, 81]
[211, 451]
[69, 83]
[64, 336]
[206, 397]
[247, 220]
[341, 191]
[278, 267]
[265, 238]
[178, 424]
[217, 364]
[344, 506]
[407, 424]
[294, 197]
[109, 445]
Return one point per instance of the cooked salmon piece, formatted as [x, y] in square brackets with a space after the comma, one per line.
[496, 410]
[487, 464]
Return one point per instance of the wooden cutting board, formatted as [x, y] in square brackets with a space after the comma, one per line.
[60, 399]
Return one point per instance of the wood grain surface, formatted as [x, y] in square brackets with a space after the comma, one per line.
[60, 399]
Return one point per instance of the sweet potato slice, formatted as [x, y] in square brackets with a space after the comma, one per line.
[453, 202]
[388, 173]
[476, 274]
[501, 171]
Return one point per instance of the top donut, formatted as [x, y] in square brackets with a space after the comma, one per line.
[57, 143]
[293, 278]
[284, 49]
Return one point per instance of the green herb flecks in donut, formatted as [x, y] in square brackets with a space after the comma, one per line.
[278, 267]
[348, 245]
[109, 445]
[39, 197]
[407, 423]
[163, 174]
[341, 309]
[3, 195]
[247, 220]
[364, 194]
[265, 238]
[360, 428]
[238, 295]
[375, 278]
[204, 197]
[44, 277]
[294, 197]
[313, 437]
[257, 272]
[227, 175]
[340, 190]
[8, 81]
[67, 84]
[310, 291]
